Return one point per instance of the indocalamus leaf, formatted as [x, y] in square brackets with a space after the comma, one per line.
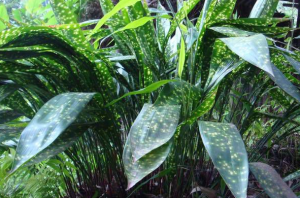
[270, 181]
[227, 151]
[48, 124]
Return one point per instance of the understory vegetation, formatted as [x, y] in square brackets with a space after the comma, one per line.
[152, 99]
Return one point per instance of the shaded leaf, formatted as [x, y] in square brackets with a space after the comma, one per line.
[227, 151]
[270, 181]
[48, 124]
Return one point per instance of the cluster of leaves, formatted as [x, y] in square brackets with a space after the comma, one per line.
[198, 85]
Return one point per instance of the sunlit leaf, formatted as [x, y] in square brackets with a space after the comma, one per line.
[154, 127]
[181, 58]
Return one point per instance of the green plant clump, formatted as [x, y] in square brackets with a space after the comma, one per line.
[148, 101]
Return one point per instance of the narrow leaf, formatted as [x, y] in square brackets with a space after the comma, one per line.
[264, 9]
[148, 89]
[116, 9]
[181, 58]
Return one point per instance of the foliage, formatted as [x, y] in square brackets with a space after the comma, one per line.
[146, 95]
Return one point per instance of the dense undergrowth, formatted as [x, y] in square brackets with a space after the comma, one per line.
[164, 101]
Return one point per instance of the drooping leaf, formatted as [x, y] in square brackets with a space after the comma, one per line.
[148, 89]
[285, 84]
[253, 49]
[117, 8]
[270, 181]
[154, 127]
[137, 170]
[227, 151]
[48, 124]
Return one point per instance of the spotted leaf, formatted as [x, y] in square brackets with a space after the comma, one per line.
[154, 127]
[48, 124]
[253, 49]
[227, 151]
[137, 170]
[270, 181]
[264, 9]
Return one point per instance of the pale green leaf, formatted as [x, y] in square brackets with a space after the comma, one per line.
[181, 57]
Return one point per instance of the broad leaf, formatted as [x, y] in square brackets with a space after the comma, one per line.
[227, 151]
[294, 63]
[154, 127]
[48, 125]
[270, 181]
[253, 49]
[136, 171]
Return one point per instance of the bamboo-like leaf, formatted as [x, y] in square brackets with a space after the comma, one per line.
[117, 8]
[232, 31]
[292, 176]
[180, 15]
[293, 62]
[227, 151]
[48, 124]
[149, 89]
[3, 17]
[154, 127]
[264, 9]
[204, 107]
[181, 57]
[270, 181]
